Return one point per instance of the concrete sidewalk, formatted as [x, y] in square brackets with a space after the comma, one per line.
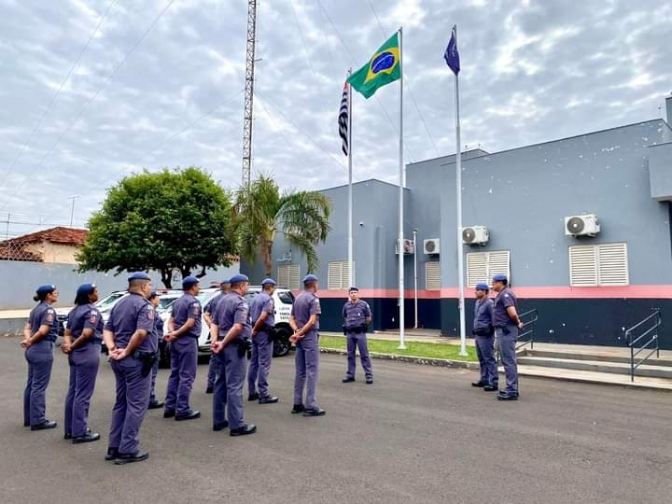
[574, 359]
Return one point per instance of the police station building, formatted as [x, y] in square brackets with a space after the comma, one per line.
[582, 226]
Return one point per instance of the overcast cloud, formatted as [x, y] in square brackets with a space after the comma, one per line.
[531, 71]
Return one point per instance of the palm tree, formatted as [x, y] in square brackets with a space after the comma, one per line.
[261, 211]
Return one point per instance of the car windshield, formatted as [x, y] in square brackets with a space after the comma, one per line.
[109, 300]
[165, 302]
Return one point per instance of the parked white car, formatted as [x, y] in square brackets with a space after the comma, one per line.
[283, 307]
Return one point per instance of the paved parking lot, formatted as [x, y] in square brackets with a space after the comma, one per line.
[419, 434]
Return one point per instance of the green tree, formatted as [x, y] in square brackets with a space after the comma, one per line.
[302, 217]
[171, 220]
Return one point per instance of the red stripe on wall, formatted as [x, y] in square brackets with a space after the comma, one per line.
[550, 292]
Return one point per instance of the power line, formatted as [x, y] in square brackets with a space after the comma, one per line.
[331, 155]
[81, 112]
[417, 108]
[58, 91]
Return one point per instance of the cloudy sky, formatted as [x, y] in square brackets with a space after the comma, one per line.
[161, 84]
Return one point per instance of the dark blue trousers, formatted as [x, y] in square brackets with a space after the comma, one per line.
[40, 357]
[131, 405]
[84, 363]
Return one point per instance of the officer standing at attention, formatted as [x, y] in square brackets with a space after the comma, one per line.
[183, 341]
[262, 315]
[132, 350]
[225, 288]
[484, 333]
[85, 325]
[305, 323]
[38, 339]
[231, 324]
[507, 323]
[357, 317]
[157, 335]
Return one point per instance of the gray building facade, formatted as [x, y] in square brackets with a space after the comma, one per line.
[586, 288]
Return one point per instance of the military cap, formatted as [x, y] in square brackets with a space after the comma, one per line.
[45, 289]
[240, 278]
[309, 278]
[268, 281]
[189, 281]
[138, 275]
[85, 289]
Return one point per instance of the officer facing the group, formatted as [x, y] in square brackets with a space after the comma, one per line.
[507, 323]
[305, 322]
[225, 288]
[231, 324]
[157, 335]
[484, 333]
[357, 317]
[183, 341]
[132, 350]
[82, 341]
[39, 336]
[262, 315]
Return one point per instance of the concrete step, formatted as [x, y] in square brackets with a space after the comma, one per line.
[650, 369]
[641, 382]
[610, 355]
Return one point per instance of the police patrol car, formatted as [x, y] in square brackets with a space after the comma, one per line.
[283, 299]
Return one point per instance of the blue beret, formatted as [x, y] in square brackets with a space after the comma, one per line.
[268, 281]
[309, 278]
[226, 281]
[138, 275]
[45, 289]
[189, 281]
[240, 278]
[353, 289]
[499, 278]
[153, 294]
[85, 289]
[482, 287]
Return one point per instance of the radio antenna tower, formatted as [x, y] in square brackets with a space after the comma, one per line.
[249, 89]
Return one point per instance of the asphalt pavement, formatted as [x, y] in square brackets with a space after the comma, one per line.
[419, 434]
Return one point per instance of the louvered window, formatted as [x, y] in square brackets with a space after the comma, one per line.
[433, 275]
[338, 275]
[288, 276]
[481, 266]
[599, 265]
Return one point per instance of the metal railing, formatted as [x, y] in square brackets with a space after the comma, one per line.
[649, 327]
[528, 329]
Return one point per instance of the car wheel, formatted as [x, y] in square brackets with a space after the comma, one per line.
[281, 345]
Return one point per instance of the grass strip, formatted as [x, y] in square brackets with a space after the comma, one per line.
[446, 351]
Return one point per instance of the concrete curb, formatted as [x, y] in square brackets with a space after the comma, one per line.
[475, 366]
[425, 361]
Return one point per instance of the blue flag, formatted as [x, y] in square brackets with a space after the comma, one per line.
[451, 55]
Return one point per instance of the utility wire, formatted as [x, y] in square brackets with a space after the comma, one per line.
[58, 91]
[417, 108]
[81, 112]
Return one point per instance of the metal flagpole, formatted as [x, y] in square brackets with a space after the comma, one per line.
[402, 345]
[351, 272]
[458, 189]
[415, 275]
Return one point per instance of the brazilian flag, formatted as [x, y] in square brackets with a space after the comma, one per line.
[384, 67]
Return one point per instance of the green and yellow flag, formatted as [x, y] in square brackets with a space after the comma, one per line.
[384, 67]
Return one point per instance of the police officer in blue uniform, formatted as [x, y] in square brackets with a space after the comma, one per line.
[39, 336]
[507, 323]
[262, 315]
[185, 329]
[231, 324]
[225, 288]
[82, 341]
[484, 333]
[305, 322]
[132, 352]
[157, 335]
[356, 319]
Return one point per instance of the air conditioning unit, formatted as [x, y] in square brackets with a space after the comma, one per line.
[475, 235]
[409, 247]
[431, 246]
[582, 225]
